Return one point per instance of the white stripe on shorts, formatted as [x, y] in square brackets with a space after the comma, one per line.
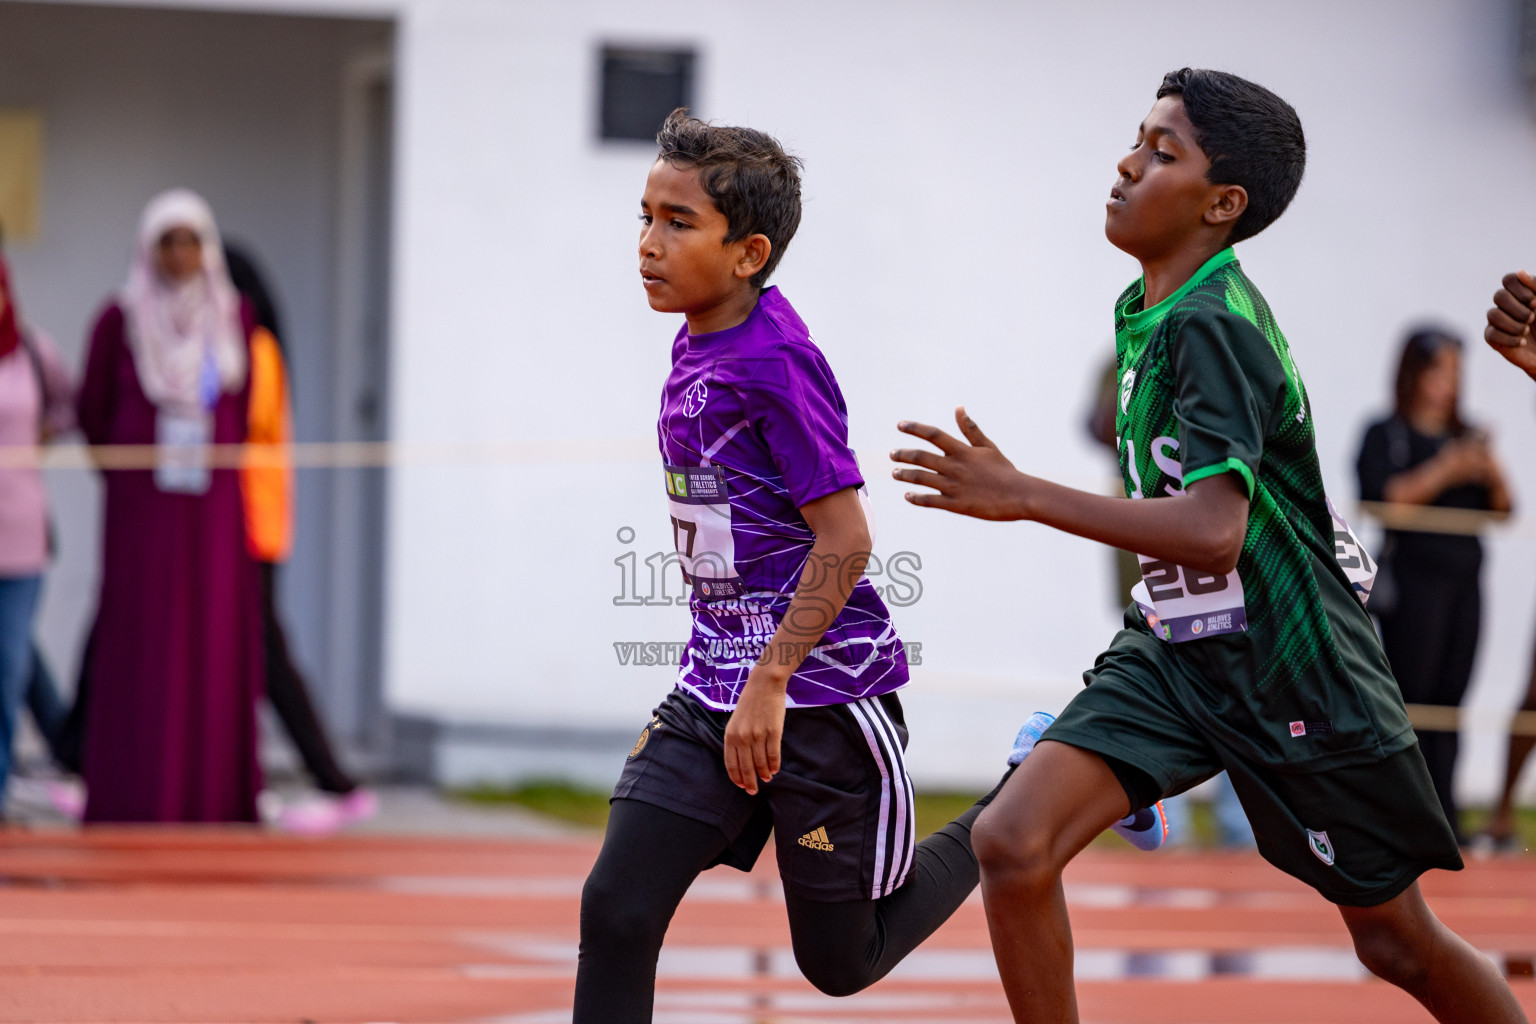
[894, 840]
[904, 840]
[906, 825]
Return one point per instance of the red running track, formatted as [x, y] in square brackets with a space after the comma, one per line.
[233, 925]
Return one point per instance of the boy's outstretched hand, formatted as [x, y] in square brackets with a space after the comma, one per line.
[972, 479]
[1511, 329]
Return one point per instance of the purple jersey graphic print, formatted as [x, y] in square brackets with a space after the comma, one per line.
[752, 427]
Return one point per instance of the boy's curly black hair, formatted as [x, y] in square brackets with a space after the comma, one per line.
[747, 174]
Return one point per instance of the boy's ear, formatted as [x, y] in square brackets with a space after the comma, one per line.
[1228, 205]
[755, 250]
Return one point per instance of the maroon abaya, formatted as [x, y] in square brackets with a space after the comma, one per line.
[177, 658]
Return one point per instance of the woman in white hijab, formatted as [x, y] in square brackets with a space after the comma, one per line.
[176, 656]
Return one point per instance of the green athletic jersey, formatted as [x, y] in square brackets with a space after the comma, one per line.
[1208, 386]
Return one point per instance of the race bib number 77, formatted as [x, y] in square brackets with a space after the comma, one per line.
[701, 529]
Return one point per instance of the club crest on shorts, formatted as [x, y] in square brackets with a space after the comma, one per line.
[1321, 846]
[645, 736]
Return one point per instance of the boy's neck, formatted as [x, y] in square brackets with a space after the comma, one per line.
[1165, 275]
[731, 311]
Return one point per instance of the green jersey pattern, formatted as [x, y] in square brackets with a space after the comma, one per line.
[1208, 386]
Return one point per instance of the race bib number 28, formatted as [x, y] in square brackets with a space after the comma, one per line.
[701, 529]
[1182, 604]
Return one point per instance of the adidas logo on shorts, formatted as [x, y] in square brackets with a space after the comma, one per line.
[817, 840]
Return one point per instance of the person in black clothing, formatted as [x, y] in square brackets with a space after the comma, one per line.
[285, 685]
[1430, 609]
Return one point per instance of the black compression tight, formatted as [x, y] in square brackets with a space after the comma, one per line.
[651, 856]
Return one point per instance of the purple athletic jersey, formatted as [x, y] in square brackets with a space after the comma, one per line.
[752, 427]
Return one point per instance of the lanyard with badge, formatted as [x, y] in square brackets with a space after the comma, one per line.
[182, 437]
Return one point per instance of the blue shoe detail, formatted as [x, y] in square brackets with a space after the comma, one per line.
[1146, 829]
[1036, 724]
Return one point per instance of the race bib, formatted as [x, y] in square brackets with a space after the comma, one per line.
[1183, 604]
[181, 440]
[701, 529]
[1352, 556]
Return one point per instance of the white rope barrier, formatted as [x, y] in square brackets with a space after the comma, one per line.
[391, 454]
[1443, 718]
[326, 454]
[1463, 522]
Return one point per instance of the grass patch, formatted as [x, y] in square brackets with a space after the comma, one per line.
[588, 808]
[932, 811]
[574, 805]
[1473, 819]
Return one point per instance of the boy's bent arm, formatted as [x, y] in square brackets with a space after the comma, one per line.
[1203, 529]
[834, 566]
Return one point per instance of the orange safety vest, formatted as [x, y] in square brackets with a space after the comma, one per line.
[266, 479]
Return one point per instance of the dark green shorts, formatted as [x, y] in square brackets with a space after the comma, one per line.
[1358, 834]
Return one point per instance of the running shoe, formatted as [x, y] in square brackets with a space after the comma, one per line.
[1028, 735]
[1146, 829]
[326, 814]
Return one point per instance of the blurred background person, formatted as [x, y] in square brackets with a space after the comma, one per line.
[176, 656]
[35, 405]
[267, 487]
[1427, 598]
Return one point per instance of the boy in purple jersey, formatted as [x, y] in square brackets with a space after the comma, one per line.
[784, 718]
[753, 427]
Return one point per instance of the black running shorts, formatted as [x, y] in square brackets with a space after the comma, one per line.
[840, 806]
[1359, 834]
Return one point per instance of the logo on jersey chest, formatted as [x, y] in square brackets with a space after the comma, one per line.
[694, 398]
[1127, 385]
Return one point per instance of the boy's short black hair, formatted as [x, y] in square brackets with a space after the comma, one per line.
[746, 172]
[1252, 137]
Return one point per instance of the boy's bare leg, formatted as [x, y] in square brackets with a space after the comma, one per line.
[1402, 941]
[1058, 800]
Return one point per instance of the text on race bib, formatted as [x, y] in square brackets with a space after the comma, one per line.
[701, 529]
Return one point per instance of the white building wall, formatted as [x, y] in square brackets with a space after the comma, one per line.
[957, 158]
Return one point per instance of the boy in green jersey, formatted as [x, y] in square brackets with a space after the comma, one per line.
[1248, 649]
